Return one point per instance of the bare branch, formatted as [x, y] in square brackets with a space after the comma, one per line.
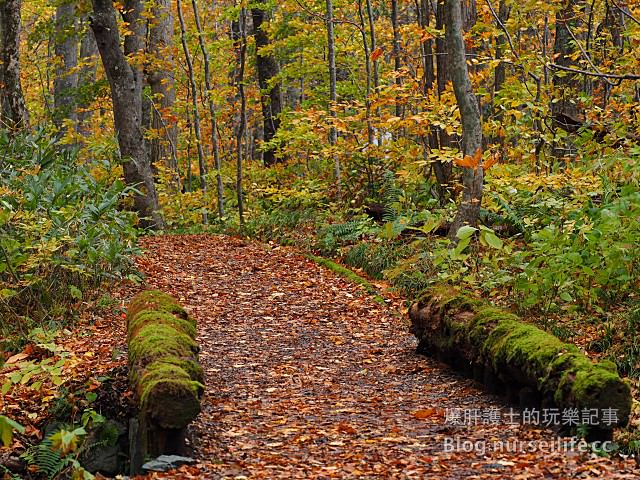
[625, 13]
[599, 74]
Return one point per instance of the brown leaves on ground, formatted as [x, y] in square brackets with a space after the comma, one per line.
[307, 377]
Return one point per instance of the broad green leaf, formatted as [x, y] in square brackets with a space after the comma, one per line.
[7, 426]
[465, 232]
[566, 297]
[493, 240]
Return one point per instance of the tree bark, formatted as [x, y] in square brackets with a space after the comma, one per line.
[333, 95]
[267, 69]
[241, 46]
[66, 78]
[212, 110]
[472, 179]
[13, 110]
[161, 81]
[86, 79]
[126, 93]
[397, 62]
[202, 164]
[565, 110]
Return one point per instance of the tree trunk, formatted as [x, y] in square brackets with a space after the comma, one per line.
[161, 81]
[202, 163]
[397, 63]
[13, 111]
[267, 68]
[66, 78]
[373, 45]
[212, 110]
[501, 69]
[333, 96]
[241, 46]
[86, 79]
[126, 93]
[565, 111]
[472, 179]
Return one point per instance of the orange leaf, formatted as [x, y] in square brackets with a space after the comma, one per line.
[376, 54]
[469, 162]
[427, 413]
[491, 161]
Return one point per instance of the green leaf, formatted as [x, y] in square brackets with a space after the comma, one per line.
[7, 426]
[566, 297]
[76, 293]
[492, 240]
[465, 232]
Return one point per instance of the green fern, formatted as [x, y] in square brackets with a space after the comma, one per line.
[511, 215]
[48, 461]
[391, 195]
[357, 256]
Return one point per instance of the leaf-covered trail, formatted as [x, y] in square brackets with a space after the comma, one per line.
[307, 377]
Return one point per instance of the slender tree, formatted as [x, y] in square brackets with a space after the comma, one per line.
[212, 110]
[160, 78]
[333, 95]
[126, 81]
[241, 49]
[472, 178]
[66, 48]
[267, 69]
[13, 110]
[397, 61]
[202, 163]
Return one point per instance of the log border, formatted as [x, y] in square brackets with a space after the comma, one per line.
[529, 366]
[164, 374]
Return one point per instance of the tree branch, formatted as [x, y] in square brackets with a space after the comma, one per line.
[599, 74]
[625, 13]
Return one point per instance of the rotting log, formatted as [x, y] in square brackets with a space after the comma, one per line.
[164, 374]
[516, 359]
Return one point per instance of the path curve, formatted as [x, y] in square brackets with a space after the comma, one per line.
[307, 377]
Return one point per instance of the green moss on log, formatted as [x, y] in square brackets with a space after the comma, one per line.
[169, 395]
[158, 301]
[154, 341]
[465, 331]
[164, 371]
[147, 317]
[349, 275]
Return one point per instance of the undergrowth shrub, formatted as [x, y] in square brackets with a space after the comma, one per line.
[590, 259]
[374, 258]
[62, 232]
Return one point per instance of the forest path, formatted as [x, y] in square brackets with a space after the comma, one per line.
[308, 377]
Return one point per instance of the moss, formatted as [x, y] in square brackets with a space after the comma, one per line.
[155, 300]
[349, 275]
[471, 332]
[153, 341]
[146, 317]
[169, 395]
[193, 368]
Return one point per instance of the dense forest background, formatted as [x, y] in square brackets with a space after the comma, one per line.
[488, 144]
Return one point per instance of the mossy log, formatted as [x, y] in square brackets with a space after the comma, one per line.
[164, 371]
[518, 359]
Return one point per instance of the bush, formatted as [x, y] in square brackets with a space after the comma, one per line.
[61, 231]
[589, 259]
